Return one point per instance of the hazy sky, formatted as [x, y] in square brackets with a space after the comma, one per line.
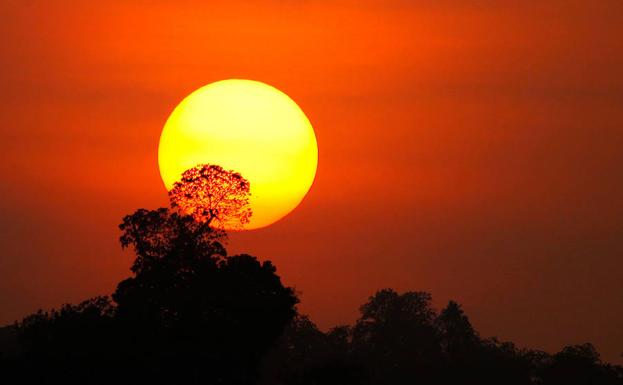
[472, 149]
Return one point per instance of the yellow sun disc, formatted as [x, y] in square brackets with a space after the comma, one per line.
[251, 128]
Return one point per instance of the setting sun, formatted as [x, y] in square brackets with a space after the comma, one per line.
[248, 127]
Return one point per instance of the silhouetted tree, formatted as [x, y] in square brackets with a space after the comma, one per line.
[396, 337]
[460, 345]
[458, 337]
[72, 345]
[580, 365]
[217, 316]
[213, 195]
[499, 361]
[307, 356]
[189, 306]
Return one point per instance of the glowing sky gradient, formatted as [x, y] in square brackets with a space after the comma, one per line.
[470, 149]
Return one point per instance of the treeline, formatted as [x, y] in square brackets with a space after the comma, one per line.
[229, 320]
[401, 339]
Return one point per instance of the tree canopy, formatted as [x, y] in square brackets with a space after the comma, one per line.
[212, 195]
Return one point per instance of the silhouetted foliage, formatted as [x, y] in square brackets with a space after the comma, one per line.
[401, 339]
[70, 345]
[191, 314]
[397, 332]
[579, 364]
[163, 237]
[213, 195]
[225, 336]
[190, 308]
[188, 314]
[306, 355]
[219, 315]
[458, 337]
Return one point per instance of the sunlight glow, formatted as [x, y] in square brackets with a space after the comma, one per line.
[251, 128]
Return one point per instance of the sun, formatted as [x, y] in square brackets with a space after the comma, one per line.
[248, 127]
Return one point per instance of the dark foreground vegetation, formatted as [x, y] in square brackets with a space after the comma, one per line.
[191, 314]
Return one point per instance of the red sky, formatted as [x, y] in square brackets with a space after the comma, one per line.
[470, 149]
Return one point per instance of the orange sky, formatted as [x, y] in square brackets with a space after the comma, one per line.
[469, 149]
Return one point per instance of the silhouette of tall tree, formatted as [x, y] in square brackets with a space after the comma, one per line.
[468, 359]
[458, 337]
[213, 195]
[188, 304]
